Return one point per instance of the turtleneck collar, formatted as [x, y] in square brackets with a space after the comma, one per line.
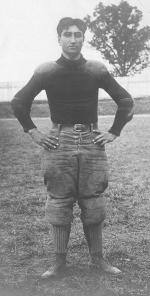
[71, 63]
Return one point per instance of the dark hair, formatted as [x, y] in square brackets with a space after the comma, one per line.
[66, 22]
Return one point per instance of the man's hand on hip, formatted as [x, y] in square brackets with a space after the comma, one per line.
[47, 142]
[104, 138]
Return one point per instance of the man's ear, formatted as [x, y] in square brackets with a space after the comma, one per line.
[59, 40]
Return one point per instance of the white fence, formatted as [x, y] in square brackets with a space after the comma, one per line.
[137, 87]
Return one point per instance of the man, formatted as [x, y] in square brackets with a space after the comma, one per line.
[74, 159]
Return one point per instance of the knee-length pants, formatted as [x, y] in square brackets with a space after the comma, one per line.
[76, 171]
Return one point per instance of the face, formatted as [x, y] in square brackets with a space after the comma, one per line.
[71, 41]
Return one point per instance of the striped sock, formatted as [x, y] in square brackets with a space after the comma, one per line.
[61, 238]
[93, 234]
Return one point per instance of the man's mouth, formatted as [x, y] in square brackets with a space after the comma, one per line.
[73, 47]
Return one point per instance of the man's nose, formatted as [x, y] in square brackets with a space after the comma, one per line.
[73, 38]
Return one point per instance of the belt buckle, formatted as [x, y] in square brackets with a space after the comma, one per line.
[78, 127]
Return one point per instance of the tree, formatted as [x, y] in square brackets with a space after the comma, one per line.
[118, 36]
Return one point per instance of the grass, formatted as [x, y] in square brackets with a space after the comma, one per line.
[26, 245]
[106, 107]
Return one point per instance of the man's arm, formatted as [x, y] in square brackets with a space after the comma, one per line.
[22, 101]
[123, 100]
[21, 105]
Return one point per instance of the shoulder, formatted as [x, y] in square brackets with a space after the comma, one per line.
[96, 67]
[44, 68]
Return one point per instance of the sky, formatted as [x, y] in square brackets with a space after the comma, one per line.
[28, 32]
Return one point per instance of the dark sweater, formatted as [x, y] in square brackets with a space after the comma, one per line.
[72, 92]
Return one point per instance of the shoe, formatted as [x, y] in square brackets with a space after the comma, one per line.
[56, 268]
[100, 263]
[53, 271]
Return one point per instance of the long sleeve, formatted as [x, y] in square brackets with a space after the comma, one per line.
[22, 101]
[123, 100]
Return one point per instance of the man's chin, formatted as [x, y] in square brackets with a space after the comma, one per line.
[73, 53]
[73, 50]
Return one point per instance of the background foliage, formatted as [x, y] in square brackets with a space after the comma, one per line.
[117, 34]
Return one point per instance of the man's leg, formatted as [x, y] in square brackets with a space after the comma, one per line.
[93, 182]
[59, 175]
[61, 238]
[93, 233]
[59, 213]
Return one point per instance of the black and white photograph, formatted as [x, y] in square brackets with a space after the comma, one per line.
[75, 148]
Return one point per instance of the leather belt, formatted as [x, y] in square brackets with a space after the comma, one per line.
[77, 127]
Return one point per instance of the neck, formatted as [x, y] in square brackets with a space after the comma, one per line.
[73, 58]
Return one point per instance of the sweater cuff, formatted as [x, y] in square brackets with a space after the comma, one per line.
[26, 129]
[114, 132]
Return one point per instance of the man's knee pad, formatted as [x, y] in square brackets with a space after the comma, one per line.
[92, 210]
[59, 211]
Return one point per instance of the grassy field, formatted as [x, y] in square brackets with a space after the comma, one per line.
[26, 247]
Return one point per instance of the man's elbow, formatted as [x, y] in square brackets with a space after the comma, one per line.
[16, 105]
[130, 109]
